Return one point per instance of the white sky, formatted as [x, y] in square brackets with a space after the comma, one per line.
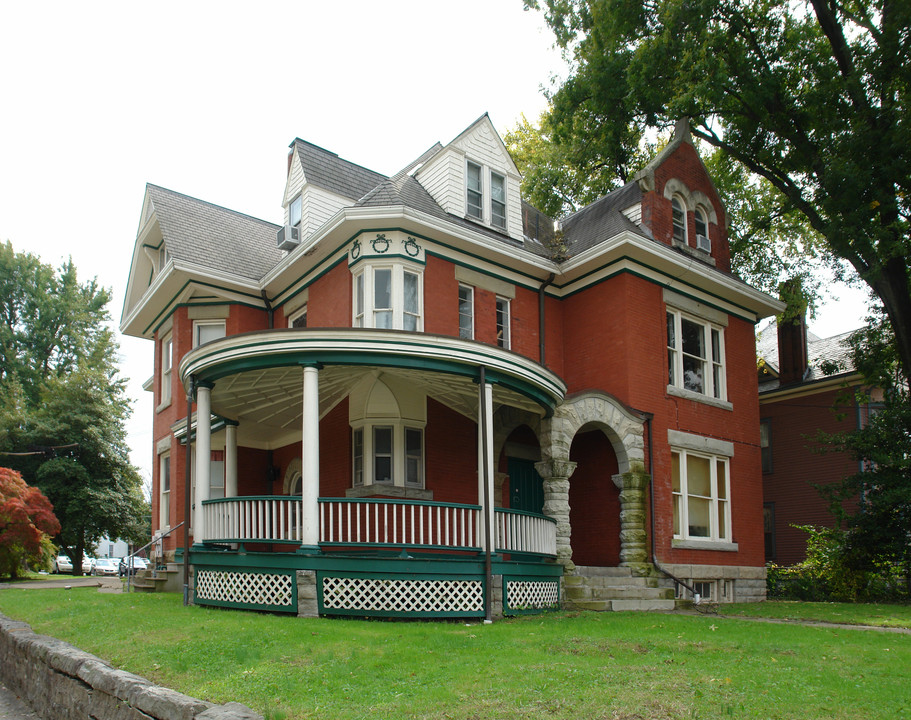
[96, 99]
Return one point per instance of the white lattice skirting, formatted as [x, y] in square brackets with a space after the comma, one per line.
[248, 588]
[403, 596]
[532, 595]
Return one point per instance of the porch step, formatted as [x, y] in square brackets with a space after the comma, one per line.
[617, 588]
[156, 580]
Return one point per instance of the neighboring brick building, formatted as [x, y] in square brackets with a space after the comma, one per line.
[423, 367]
[807, 386]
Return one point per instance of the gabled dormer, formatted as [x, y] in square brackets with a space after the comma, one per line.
[474, 177]
[319, 184]
[680, 205]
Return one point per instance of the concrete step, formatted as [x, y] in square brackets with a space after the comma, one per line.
[631, 593]
[628, 581]
[642, 605]
[592, 571]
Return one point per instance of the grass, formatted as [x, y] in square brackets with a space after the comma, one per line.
[847, 613]
[615, 666]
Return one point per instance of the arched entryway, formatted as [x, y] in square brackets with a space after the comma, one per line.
[523, 489]
[594, 499]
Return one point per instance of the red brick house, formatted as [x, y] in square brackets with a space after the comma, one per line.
[807, 386]
[423, 398]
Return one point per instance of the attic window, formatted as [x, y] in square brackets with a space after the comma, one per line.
[702, 231]
[295, 212]
[498, 201]
[679, 219]
[475, 199]
[163, 257]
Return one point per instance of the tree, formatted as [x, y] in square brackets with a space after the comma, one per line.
[62, 403]
[877, 534]
[26, 520]
[811, 97]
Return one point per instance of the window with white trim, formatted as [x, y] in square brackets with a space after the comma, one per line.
[497, 200]
[164, 257]
[466, 312]
[695, 355]
[503, 339]
[702, 230]
[207, 330]
[678, 216]
[164, 481]
[167, 361]
[474, 201]
[387, 454]
[295, 212]
[700, 487]
[485, 195]
[388, 296]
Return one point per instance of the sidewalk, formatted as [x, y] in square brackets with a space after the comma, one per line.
[104, 584]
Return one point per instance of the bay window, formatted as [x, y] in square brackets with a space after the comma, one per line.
[207, 331]
[503, 322]
[466, 312]
[389, 297]
[387, 454]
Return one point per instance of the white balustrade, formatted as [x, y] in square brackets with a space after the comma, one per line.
[372, 522]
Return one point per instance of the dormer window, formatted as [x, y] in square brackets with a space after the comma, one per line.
[498, 201]
[702, 231]
[295, 212]
[163, 257]
[475, 199]
[679, 219]
[485, 195]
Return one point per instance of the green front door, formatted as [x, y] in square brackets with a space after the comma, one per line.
[526, 489]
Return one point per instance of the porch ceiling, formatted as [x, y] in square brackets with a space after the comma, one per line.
[259, 384]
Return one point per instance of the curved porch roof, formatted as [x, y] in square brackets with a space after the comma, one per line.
[256, 377]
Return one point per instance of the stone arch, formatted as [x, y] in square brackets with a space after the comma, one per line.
[506, 420]
[622, 427]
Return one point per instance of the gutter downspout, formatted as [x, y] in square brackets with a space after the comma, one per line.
[651, 502]
[488, 531]
[270, 311]
[186, 497]
[548, 281]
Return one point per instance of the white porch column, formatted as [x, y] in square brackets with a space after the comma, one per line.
[310, 461]
[203, 458]
[230, 460]
[485, 465]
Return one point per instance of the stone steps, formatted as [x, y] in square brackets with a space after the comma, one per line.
[618, 589]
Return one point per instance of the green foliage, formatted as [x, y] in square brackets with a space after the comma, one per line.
[62, 403]
[812, 98]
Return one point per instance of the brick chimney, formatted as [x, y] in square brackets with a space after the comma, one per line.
[792, 349]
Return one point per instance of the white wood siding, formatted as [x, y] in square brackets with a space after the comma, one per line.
[293, 185]
[319, 206]
[444, 179]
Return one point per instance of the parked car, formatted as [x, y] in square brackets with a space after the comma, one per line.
[134, 563]
[106, 566]
[62, 564]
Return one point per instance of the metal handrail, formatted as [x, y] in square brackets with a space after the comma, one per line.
[148, 544]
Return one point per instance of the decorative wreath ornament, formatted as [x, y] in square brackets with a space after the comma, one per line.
[356, 249]
[380, 243]
[412, 247]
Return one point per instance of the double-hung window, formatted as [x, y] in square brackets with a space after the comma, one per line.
[485, 195]
[466, 312]
[503, 339]
[388, 297]
[475, 186]
[295, 212]
[498, 201]
[167, 360]
[700, 486]
[678, 216]
[695, 355]
[164, 479]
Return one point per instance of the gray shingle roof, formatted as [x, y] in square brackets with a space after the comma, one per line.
[602, 219]
[200, 232]
[327, 170]
[822, 354]
[402, 190]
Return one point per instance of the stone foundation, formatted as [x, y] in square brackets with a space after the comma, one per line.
[733, 583]
[63, 683]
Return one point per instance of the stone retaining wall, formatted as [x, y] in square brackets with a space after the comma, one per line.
[61, 682]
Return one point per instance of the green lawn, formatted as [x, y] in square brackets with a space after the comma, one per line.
[564, 665]
[852, 614]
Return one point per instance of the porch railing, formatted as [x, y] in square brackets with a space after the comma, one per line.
[372, 522]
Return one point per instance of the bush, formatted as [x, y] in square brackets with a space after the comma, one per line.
[829, 574]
